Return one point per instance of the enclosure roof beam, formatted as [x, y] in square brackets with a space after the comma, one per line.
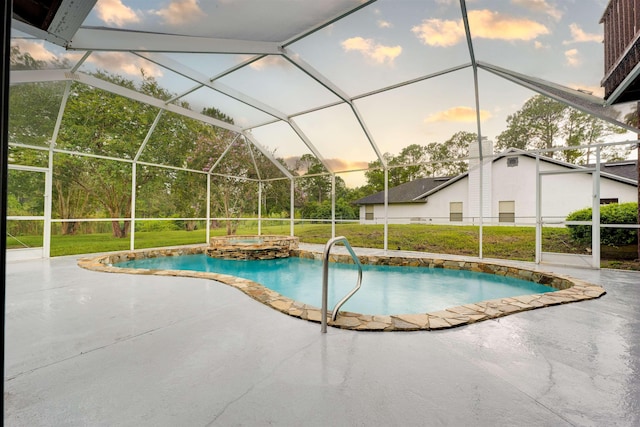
[326, 23]
[374, 92]
[117, 40]
[224, 153]
[137, 96]
[267, 154]
[183, 70]
[308, 143]
[574, 98]
[322, 80]
[315, 74]
[81, 61]
[253, 158]
[148, 136]
[33, 76]
[38, 76]
[474, 64]
[37, 32]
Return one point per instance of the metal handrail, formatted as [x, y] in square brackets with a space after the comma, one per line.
[325, 279]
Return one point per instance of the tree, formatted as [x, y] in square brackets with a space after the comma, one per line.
[433, 159]
[232, 195]
[443, 155]
[99, 122]
[317, 184]
[543, 123]
[535, 125]
[375, 173]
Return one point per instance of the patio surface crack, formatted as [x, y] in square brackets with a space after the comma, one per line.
[264, 378]
[102, 347]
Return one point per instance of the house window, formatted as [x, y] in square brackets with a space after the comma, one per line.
[368, 212]
[608, 201]
[512, 162]
[455, 211]
[507, 211]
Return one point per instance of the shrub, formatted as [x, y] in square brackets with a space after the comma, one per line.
[623, 213]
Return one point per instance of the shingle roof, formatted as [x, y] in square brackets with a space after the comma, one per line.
[625, 169]
[406, 192]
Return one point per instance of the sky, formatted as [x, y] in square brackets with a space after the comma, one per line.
[382, 44]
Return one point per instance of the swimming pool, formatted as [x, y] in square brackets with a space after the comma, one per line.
[566, 289]
[385, 289]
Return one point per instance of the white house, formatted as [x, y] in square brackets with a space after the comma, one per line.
[508, 193]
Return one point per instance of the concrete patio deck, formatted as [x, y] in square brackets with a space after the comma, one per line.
[91, 348]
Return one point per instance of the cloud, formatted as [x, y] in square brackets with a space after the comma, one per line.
[578, 35]
[458, 114]
[540, 45]
[595, 90]
[438, 32]
[37, 50]
[181, 12]
[269, 62]
[572, 57]
[343, 165]
[334, 164]
[483, 23]
[124, 62]
[372, 50]
[384, 24]
[541, 6]
[116, 13]
[494, 25]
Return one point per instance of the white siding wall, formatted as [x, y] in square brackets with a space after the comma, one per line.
[437, 207]
[436, 210]
[561, 194]
[474, 180]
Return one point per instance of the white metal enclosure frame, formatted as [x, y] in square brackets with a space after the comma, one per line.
[160, 47]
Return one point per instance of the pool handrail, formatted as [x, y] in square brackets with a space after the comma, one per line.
[325, 280]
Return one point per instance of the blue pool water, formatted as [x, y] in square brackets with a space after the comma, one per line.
[385, 289]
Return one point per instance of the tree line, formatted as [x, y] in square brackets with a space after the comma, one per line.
[101, 123]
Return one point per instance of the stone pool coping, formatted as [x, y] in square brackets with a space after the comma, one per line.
[569, 289]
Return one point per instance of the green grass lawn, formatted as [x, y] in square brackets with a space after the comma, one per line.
[517, 243]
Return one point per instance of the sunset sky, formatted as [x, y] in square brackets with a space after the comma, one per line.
[385, 43]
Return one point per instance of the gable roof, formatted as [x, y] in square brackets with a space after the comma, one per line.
[626, 169]
[408, 192]
[623, 171]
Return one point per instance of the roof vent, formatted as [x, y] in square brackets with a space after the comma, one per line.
[512, 162]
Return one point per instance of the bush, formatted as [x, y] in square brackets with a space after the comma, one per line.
[623, 213]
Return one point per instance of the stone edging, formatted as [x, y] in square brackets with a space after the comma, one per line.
[569, 290]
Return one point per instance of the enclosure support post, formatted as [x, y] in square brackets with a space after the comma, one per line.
[595, 218]
[538, 211]
[386, 210]
[259, 208]
[481, 163]
[4, 162]
[292, 211]
[134, 185]
[48, 200]
[333, 205]
[208, 226]
[48, 186]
